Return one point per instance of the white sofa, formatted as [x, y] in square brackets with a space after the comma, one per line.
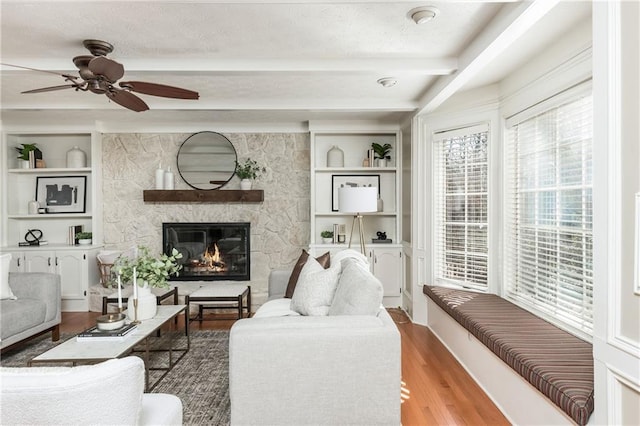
[314, 370]
[109, 393]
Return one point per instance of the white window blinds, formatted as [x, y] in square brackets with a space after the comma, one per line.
[460, 191]
[548, 213]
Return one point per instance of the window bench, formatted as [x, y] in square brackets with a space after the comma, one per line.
[556, 363]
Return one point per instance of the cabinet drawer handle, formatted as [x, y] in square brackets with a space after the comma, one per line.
[56, 260]
[18, 262]
[49, 261]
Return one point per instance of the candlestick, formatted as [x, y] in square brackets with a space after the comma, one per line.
[135, 312]
[119, 293]
[135, 283]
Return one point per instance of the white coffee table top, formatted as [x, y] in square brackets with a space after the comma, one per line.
[73, 350]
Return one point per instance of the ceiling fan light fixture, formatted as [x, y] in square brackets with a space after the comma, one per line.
[422, 15]
[387, 81]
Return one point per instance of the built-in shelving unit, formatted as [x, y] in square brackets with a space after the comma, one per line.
[213, 196]
[386, 258]
[75, 264]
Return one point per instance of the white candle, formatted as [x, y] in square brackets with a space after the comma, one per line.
[119, 293]
[135, 284]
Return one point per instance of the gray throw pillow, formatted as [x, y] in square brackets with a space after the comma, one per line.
[358, 292]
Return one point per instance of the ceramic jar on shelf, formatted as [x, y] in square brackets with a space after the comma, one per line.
[76, 158]
[335, 157]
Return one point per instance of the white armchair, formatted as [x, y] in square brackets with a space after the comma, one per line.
[109, 393]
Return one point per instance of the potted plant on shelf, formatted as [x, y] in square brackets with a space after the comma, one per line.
[143, 272]
[84, 238]
[327, 237]
[23, 157]
[247, 172]
[381, 153]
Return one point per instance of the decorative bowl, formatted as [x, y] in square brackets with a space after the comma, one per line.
[110, 321]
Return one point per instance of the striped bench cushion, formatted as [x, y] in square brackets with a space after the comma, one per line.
[557, 363]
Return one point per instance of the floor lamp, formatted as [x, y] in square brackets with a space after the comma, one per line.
[357, 200]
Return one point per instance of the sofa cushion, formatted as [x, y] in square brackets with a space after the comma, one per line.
[315, 288]
[324, 260]
[275, 308]
[20, 315]
[358, 292]
[5, 290]
[107, 393]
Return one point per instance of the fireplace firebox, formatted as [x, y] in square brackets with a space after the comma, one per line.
[210, 251]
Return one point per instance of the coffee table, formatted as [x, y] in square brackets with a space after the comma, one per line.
[89, 352]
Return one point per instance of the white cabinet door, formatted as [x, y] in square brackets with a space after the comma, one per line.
[386, 265]
[17, 262]
[72, 267]
[39, 261]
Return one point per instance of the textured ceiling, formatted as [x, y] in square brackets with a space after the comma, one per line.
[269, 61]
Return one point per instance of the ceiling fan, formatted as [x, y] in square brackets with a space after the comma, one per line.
[99, 74]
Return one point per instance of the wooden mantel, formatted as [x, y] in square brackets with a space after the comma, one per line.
[194, 195]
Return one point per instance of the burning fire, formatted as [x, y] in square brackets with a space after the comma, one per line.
[214, 260]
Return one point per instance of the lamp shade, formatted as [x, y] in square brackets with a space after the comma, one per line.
[362, 199]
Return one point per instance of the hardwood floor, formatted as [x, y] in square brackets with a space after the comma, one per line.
[436, 391]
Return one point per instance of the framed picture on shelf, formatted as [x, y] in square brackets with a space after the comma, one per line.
[338, 181]
[62, 194]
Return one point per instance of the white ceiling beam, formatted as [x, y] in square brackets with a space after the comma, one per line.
[252, 1]
[227, 105]
[395, 66]
[511, 23]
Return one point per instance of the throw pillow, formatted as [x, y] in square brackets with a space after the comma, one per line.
[315, 289]
[358, 292]
[5, 290]
[324, 260]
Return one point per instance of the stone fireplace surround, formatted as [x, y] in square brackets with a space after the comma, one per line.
[279, 225]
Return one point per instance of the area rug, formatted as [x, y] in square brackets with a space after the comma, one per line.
[200, 379]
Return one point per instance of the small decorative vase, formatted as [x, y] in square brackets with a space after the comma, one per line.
[76, 158]
[246, 184]
[24, 164]
[381, 162]
[84, 241]
[327, 240]
[147, 304]
[335, 157]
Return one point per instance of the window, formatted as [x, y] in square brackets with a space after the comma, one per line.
[461, 207]
[548, 201]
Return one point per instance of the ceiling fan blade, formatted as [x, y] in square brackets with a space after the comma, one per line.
[106, 67]
[51, 89]
[159, 90]
[127, 100]
[66, 76]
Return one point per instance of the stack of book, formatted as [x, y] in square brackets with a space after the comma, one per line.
[94, 334]
[73, 230]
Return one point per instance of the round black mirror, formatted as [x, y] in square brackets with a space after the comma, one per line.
[206, 160]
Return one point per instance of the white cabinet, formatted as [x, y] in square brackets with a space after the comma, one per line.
[77, 269]
[355, 142]
[41, 261]
[386, 265]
